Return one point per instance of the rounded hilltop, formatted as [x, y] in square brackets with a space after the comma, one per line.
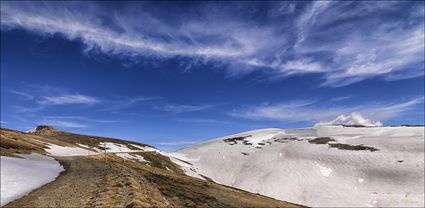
[42, 129]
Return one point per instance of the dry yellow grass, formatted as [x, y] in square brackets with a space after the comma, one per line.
[13, 142]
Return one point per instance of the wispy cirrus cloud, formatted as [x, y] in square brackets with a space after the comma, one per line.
[68, 99]
[121, 103]
[39, 97]
[366, 40]
[341, 98]
[27, 109]
[61, 123]
[176, 108]
[22, 94]
[312, 111]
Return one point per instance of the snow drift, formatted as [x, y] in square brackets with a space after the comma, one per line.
[19, 176]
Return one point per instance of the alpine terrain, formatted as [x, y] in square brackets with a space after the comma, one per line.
[212, 103]
[46, 167]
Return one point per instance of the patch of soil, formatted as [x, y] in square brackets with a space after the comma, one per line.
[352, 147]
[321, 140]
[286, 139]
[234, 140]
[354, 125]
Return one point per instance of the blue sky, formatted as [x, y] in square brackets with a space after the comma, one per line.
[172, 74]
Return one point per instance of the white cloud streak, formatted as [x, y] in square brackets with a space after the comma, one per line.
[46, 96]
[307, 39]
[24, 95]
[176, 109]
[62, 18]
[68, 99]
[24, 109]
[341, 98]
[39, 97]
[301, 66]
[122, 103]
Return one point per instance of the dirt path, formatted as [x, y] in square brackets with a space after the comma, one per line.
[64, 191]
[87, 182]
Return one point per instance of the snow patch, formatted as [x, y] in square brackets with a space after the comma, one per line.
[147, 148]
[33, 130]
[113, 147]
[82, 145]
[187, 168]
[128, 156]
[57, 150]
[21, 176]
[255, 140]
[178, 159]
[139, 147]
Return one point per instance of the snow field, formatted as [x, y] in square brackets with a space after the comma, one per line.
[316, 175]
[56, 150]
[19, 176]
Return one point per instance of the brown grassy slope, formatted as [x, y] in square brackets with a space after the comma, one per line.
[14, 142]
[92, 141]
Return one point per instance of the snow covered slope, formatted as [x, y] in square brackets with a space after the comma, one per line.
[321, 166]
[19, 176]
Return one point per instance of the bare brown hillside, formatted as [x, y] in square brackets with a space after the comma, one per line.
[92, 141]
